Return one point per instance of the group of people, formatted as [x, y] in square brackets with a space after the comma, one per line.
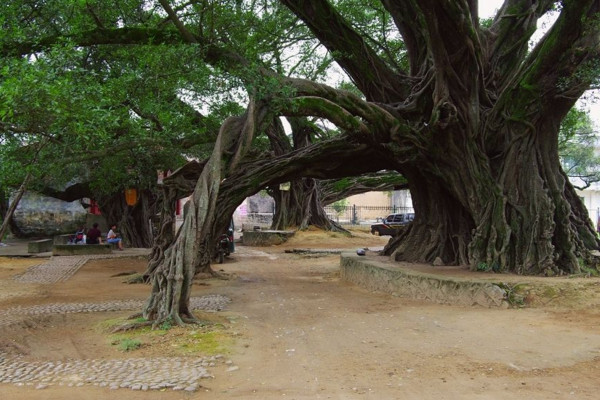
[94, 236]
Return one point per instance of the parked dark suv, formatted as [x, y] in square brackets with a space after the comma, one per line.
[391, 224]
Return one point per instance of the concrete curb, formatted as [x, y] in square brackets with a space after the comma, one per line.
[379, 277]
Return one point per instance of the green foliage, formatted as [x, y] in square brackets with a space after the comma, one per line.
[113, 115]
[86, 115]
[166, 325]
[486, 22]
[340, 205]
[515, 293]
[342, 184]
[483, 267]
[129, 344]
[577, 149]
[371, 20]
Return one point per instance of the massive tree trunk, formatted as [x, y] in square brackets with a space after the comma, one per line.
[191, 249]
[483, 123]
[134, 223]
[179, 184]
[472, 124]
[303, 203]
[301, 206]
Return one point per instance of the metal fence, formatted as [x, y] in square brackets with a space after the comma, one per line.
[344, 215]
[357, 215]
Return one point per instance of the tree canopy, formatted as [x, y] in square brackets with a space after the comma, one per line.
[468, 113]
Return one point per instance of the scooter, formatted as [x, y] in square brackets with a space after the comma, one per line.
[225, 245]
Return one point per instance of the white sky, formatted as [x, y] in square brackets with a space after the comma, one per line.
[487, 8]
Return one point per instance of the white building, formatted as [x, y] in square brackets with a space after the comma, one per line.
[591, 200]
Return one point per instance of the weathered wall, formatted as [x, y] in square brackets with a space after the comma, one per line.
[38, 215]
[400, 282]
[265, 238]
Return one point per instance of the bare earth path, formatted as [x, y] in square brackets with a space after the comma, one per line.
[300, 333]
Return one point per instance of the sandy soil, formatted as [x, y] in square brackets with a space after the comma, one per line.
[297, 332]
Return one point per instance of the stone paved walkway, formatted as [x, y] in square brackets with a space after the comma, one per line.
[56, 269]
[177, 373]
[17, 314]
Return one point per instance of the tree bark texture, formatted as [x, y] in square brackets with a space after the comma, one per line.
[134, 223]
[472, 125]
[301, 206]
[471, 122]
[13, 205]
[191, 251]
[485, 178]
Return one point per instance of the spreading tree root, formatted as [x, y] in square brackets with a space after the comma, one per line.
[221, 275]
[131, 327]
[138, 278]
[126, 273]
[190, 320]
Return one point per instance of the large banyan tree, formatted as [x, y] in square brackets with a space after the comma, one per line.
[467, 112]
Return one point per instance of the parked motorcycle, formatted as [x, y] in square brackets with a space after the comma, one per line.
[225, 244]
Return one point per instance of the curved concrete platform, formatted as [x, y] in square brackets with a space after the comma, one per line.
[377, 276]
[266, 237]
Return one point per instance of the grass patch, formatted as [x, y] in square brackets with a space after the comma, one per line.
[211, 339]
[207, 342]
[129, 344]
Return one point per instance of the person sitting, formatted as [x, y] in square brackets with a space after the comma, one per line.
[79, 236]
[112, 237]
[94, 235]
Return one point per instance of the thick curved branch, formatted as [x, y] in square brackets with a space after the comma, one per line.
[410, 22]
[280, 143]
[211, 52]
[73, 192]
[370, 74]
[333, 190]
[556, 73]
[456, 52]
[187, 35]
[507, 40]
[382, 123]
[317, 106]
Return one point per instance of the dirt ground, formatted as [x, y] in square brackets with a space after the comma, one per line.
[293, 330]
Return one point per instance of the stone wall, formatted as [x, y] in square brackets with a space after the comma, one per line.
[403, 282]
[38, 215]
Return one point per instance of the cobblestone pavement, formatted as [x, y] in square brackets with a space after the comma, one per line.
[56, 269]
[13, 315]
[177, 373]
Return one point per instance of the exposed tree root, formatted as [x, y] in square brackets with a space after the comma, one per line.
[131, 327]
[137, 278]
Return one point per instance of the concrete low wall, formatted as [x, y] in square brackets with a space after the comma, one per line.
[265, 238]
[401, 282]
[63, 239]
[80, 249]
[39, 246]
